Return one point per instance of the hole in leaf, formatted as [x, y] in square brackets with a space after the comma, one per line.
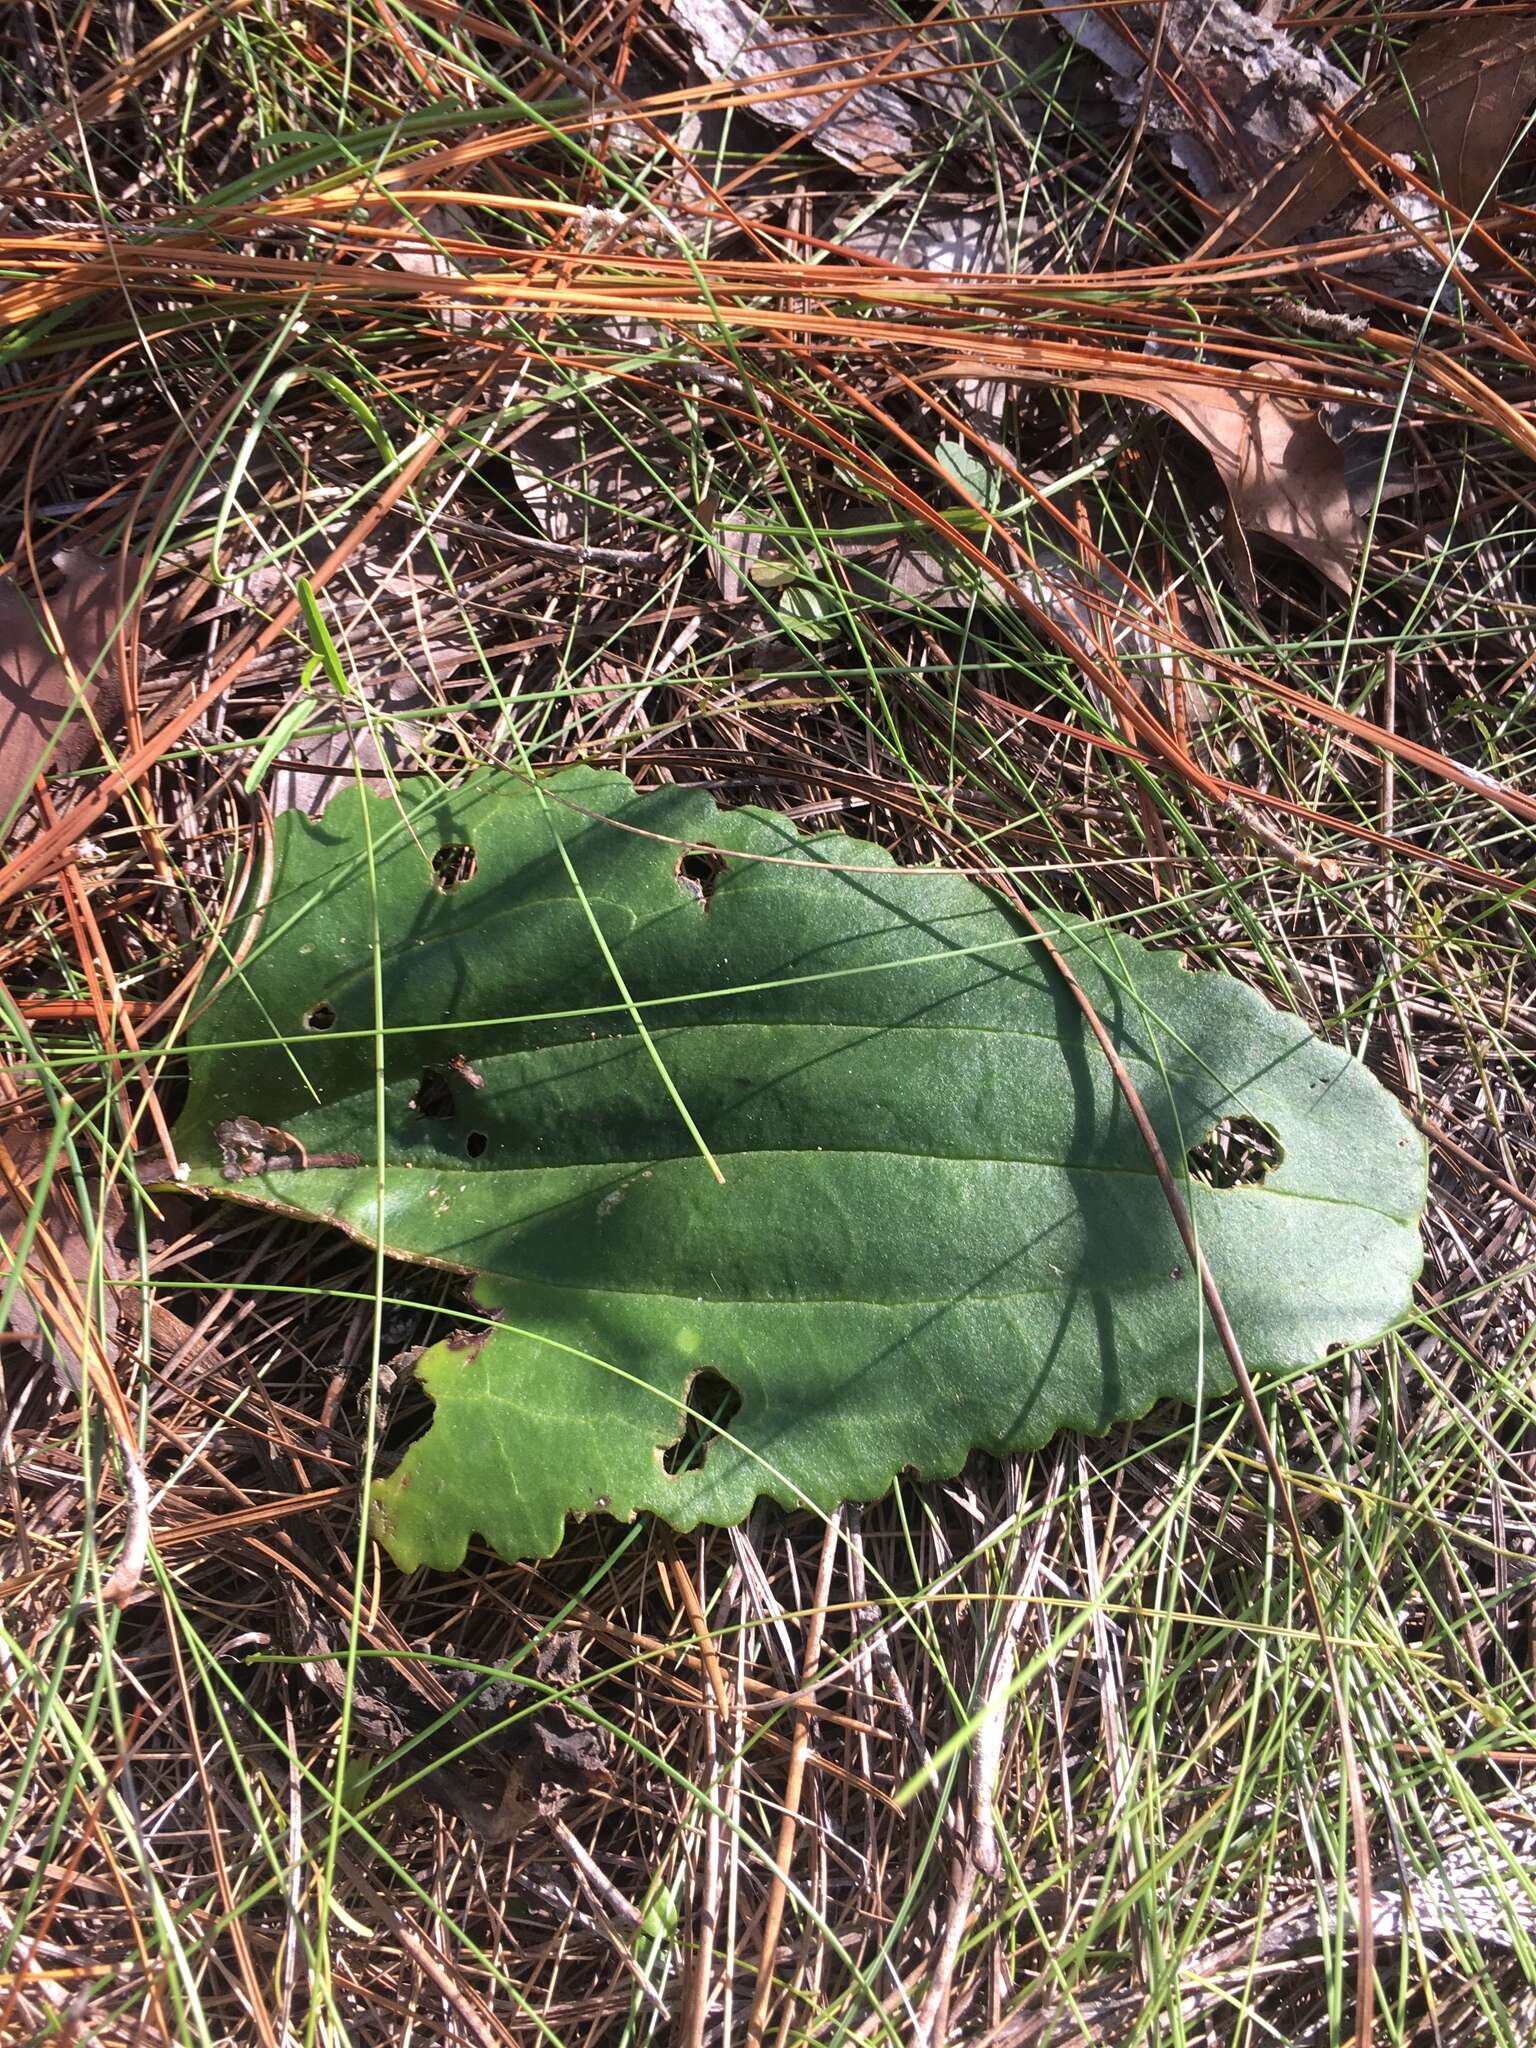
[1237, 1154]
[698, 872]
[321, 1018]
[409, 1417]
[475, 1144]
[713, 1405]
[452, 865]
[433, 1095]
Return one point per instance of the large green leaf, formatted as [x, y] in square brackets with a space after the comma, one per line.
[938, 1227]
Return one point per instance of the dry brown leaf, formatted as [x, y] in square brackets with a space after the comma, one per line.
[62, 1258]
[1285, 477]
[1462, 97]
[1477, 93]
[40, 700]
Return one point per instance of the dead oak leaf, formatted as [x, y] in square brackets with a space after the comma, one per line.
[52, 703]
[1284, 475]
[51, 1308]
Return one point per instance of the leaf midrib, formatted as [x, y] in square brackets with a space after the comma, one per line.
[634, 1167]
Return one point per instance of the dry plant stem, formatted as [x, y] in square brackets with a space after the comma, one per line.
[1365, 1980]
[253, 886]
[57, 1291]
[122, 1582]
[468, 2008]
[1258, 827]
[1079, 736]
[110, 91]
[194, 1535]
[997, 1680]
[1438, 1136]
[1416, 237]
[613, 1899]
[794, 1784]
[61, 1011]
[1230, 792]
[1152, 734]
[716, 1710]
[1132, 150]
[932, 2029]
[698, 1622]
[95, 960]
[1077, 1671]
[255, 1994]
[735, 1771]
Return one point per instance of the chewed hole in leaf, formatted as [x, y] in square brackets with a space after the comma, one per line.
[409, 1418]
[433, 1095]
[452, 866]
[712, 1405]
[321, 1018]
[475, 1144]
[1237, 1154]
[698, 872]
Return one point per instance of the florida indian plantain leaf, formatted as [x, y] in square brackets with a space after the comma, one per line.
[938, 1227]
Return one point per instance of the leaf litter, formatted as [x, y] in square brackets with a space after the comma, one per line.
[712, 727]
[66, 1263]
[815, 73]
[56, 693]
[1458, 101]
[1231, 91]
[1282, 471]
[863, 91]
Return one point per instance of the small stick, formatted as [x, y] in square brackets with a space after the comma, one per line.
[794, 1785]
[933, 2016]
